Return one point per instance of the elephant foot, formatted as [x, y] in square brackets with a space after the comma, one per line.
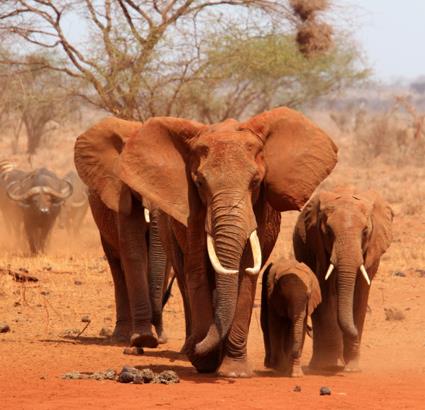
[162, 336]
[297, 372]
[189, 345]
[333, 364]
[352, 366]
[121, 333]
[144, 337]
[295, 369]
[235, 368]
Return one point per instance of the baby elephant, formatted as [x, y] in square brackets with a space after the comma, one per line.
[290, 293]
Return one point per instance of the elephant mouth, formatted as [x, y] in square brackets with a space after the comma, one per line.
[256, 254]
[362, 269]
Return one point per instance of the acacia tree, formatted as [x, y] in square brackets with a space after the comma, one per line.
[35, 97]
[159, 57]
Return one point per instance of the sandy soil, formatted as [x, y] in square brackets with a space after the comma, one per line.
[74, 281]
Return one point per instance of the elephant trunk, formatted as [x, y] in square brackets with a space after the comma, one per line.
[348, 262]
[157, 270]
[225, 250]
[298, 334]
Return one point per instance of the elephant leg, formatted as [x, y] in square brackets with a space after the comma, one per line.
[327, 336]
[201, 317]
[123, 323]
[133, 254]
[157, 273]
[352, 347]
[297, 329]
[277, 342]
[176, 257]
[235, 362]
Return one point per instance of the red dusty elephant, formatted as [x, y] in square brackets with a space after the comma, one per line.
[341, 235]
[132, 245]
[223, 187]
[290, 293]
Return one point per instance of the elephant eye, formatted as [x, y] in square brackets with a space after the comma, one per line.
[199, 180]
[255, 182]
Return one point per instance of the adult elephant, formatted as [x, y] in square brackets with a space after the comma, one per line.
[223, 187]
[341, 235]
[129, 234]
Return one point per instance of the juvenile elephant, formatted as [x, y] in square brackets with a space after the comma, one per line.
[290, 293]
[223, 187]
[341, 235]
[130, 240]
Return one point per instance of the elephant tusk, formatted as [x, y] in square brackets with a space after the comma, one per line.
[365, 275]
[147, 216]
[214, 258]
[330, 269]
[256, 253]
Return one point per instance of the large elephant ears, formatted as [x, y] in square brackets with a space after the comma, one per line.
[298, 156]
[315, 296]
[153, 163]
[96, 156]
[381, 236]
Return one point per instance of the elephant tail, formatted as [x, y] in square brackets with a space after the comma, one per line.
[265, 315]
[167, 293]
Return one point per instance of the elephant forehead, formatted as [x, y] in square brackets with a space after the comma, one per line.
[229, 137]
[346, 216]
[229, 146]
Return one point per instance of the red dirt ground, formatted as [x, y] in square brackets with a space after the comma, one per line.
[35, 355]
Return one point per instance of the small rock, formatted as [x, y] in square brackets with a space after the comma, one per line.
[70, 332]
[104, 332]
[325, 391]
[110, 374]
[297, 388]
[168, 377]
[147, 375]
[97, 376]
[392, 314]
[85, 319]
[129, 369]
[126, 377]
[420, 272]
[78, 282]
[17, 304]
[138, 379]
[134, 351]
[72, 376]
[44, 293]
[399, 273]
[4, 328]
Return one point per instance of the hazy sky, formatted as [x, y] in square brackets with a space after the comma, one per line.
[392, 33]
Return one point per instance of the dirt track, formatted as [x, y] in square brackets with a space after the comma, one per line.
[74, 281]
